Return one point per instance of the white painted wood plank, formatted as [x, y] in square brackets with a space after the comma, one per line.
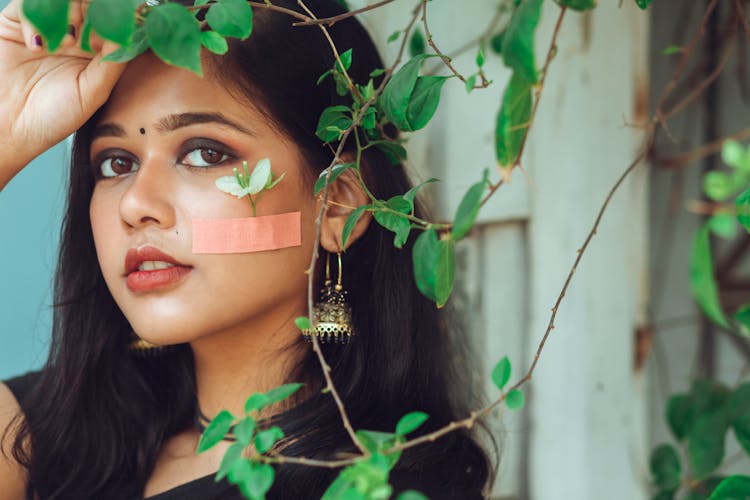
[587, 437]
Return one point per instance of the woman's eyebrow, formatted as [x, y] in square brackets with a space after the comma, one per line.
[174, 122]
[171, 123]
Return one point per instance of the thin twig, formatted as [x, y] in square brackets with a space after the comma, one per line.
[680, 68]
[713, 147]
[475, 415]
[698, 90]
[352, 88]
[330, 21]
[310, 271]
[447, 60]
[537, 98]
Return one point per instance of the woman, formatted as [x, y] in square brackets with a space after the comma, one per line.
[100, 421]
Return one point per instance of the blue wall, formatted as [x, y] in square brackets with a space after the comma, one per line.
[30, 216]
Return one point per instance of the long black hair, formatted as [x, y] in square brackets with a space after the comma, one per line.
[98, 416]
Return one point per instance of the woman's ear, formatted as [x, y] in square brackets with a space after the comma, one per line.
[344, 195]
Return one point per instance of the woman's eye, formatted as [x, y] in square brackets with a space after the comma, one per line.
[117, 165]
[204, 157]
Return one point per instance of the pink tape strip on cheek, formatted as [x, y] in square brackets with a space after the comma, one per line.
[247, 234]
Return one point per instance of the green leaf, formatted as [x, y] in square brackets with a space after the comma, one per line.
[467, 210]
[232, 18]
[351, 221]
[515, 399]
[425, 256]
[339, 117]
[579, 5]
[113, 19]
[214, 42]
[501, 372]
[732, 488]
[233, 453]
[346, 61]
[470, 82]
[86, 36]
[424, 101]
[702, 281]
[411, 495]
[718, 185]
[138, 45]
[399, 225]
[336, 170]
[394, 36]
[175, 36]
[409, 101]
[282, 392]
[410, 422]
[496, 42]
[394, 151]
[50, 18]
[412, 193]
[512, 120]
[742, 317]
[244, 430]
[643, 4]
[671, 50]
[665, 467]
[375, 441]
[518, 41]
[254, 479]
[743, 209]
[303, 323]
[215, 431]
[734, 155]
[739, 415]
[256, 402]
[264, 440]
[706, 442]
[679, 415]
[723, 225]
[445, 271]
[480, 56]
[416, 43]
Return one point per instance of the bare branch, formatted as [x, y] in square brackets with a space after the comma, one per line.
[330, 21]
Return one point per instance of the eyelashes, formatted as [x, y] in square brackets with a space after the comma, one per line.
[195, 154]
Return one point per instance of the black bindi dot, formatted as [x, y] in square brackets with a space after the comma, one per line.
[143, 131]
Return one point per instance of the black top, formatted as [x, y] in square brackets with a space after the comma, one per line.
[204, 488]
[199, 489]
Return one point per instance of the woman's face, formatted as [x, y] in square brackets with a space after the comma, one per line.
[162, 140]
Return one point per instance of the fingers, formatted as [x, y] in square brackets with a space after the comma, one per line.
[99, 78]
[31, 36]
[75, 21]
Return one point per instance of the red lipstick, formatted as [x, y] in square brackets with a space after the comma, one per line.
[160, 270]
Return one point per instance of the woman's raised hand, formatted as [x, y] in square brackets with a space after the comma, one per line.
[45, 97]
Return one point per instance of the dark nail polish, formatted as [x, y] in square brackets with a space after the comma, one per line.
[36, 41]
[71, 30]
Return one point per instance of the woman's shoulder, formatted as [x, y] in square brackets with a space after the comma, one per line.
[12, 474]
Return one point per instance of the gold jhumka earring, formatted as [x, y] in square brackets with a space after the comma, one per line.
[332, 314]
[143, 348]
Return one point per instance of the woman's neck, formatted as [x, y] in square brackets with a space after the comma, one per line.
[232, 364]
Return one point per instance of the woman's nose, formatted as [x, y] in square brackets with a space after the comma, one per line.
[147, 200]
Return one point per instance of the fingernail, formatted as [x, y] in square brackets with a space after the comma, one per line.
[36, 41]
[71, 30]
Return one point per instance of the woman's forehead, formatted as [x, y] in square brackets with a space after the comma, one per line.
[150, 89]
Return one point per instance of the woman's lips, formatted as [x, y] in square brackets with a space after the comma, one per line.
[143, 281]
[153, 272]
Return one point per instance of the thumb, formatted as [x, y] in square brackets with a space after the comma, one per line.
[99, 78]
